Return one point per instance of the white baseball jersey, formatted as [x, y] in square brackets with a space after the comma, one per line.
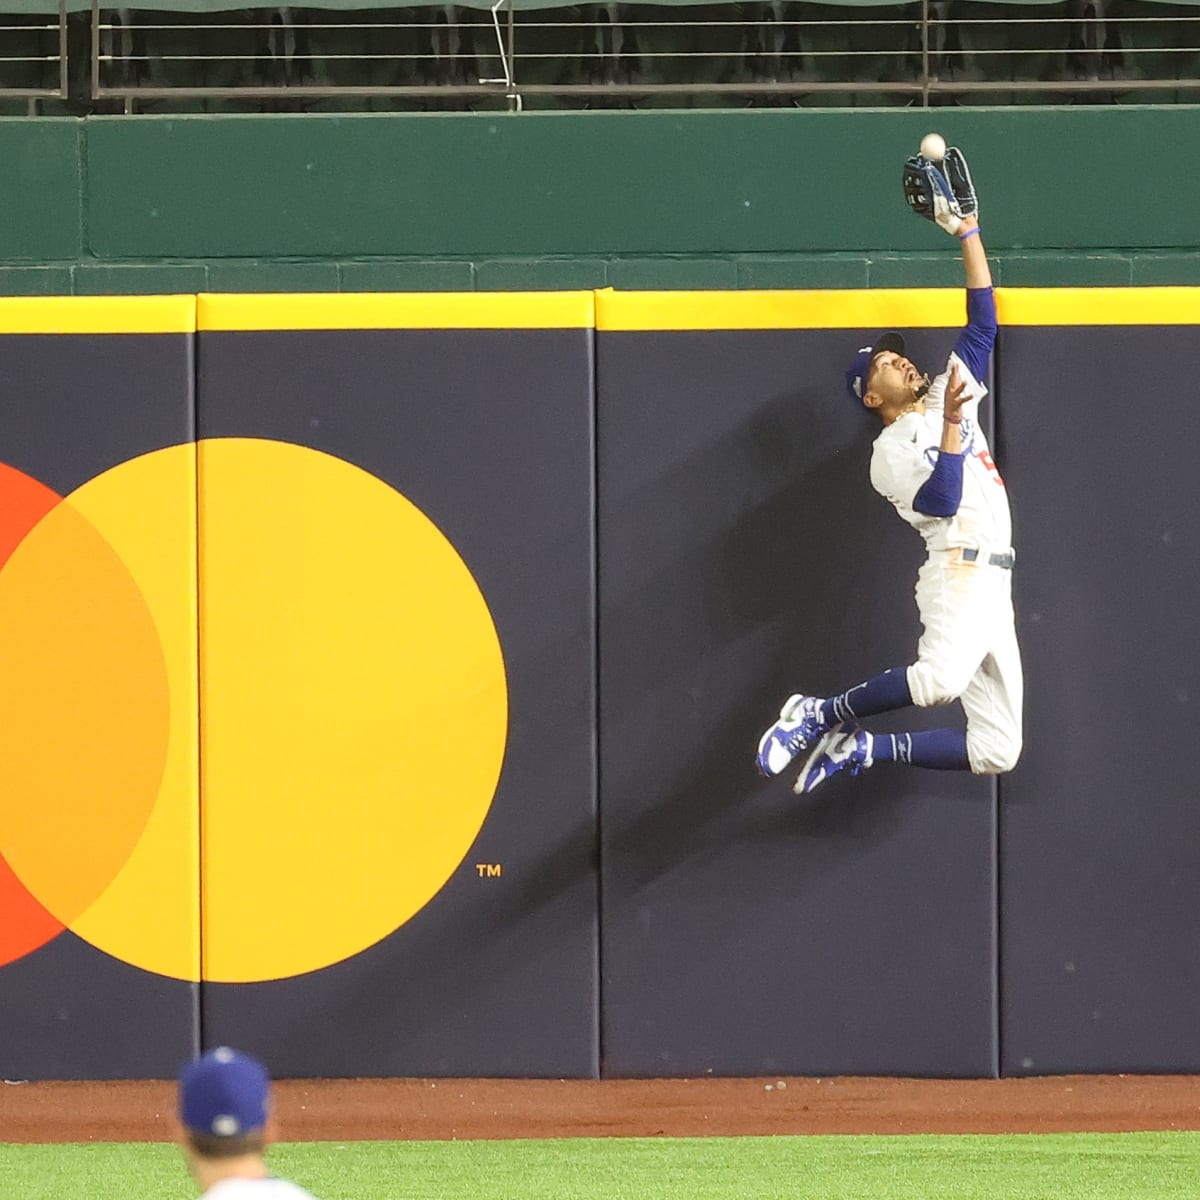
[968, 650]
[904, 457]
[268, 1188]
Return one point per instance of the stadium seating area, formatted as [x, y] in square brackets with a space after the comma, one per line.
[449, 57]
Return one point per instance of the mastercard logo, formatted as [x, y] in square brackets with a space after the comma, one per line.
[253, 711]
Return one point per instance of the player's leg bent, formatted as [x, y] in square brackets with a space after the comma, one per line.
[955, 603]
[993, 703]
[850, 750]
[804, 720]
[933, 681]
[967, 652]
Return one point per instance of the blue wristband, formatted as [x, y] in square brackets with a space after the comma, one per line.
[962, 237]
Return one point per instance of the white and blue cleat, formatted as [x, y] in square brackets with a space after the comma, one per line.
[800, 726]
[844, 749]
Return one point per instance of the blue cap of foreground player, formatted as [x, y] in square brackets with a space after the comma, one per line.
[224, 1093]
[860, 367]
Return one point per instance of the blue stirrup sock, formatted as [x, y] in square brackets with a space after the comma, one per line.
[882, 694]
[939, 749]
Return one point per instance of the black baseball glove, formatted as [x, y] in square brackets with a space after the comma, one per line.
[941, 192]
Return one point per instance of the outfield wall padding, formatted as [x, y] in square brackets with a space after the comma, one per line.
[98, 725]
[383, 694]
[743, 557]
[1099, 962]
[487, 434]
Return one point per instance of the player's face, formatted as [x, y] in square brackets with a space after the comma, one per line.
[894, 377]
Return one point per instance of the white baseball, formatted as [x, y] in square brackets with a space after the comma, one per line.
[933, 147]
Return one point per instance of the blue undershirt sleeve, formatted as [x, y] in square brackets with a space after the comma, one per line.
[941, 494]
[974, 345]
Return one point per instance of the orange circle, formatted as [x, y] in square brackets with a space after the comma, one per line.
[83, 712]
[27, 926]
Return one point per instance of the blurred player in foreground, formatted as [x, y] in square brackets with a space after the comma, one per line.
[932, 462]
[224, 1108]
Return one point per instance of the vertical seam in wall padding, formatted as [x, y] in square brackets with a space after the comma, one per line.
[997, 1018]
[199, 685]
[596, 730]
[997, 894]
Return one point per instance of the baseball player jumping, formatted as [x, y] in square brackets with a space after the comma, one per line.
[932, 461]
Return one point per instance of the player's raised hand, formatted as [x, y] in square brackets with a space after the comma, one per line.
[956, 396]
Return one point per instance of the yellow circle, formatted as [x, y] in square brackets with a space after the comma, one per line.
[272, 779]
[354, 709]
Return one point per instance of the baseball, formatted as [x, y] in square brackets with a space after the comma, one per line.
[933, 147]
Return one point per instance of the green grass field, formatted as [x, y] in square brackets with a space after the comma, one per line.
[1131, 1166]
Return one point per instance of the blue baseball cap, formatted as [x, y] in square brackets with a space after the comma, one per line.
[860, 366]
[224, 1093]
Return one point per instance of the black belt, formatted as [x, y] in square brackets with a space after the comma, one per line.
[1005, 560]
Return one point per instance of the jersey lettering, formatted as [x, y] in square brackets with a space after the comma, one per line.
[988, 465]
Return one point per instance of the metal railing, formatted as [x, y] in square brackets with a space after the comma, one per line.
[613, 54]
[33, 56]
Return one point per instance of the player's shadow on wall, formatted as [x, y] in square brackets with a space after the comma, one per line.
[771, 585]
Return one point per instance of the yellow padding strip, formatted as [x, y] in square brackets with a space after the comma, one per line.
[98, 314]
[902, 307]
[905, 308]
[384, 310]
[1099, 306]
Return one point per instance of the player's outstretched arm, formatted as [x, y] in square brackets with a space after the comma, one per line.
[974, 344]
[974, 256]
[938, 186]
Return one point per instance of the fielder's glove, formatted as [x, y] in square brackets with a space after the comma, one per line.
[942, 194]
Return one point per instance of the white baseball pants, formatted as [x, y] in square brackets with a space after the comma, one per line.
[969, 652]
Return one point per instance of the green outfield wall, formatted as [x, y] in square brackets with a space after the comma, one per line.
[760, 198]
